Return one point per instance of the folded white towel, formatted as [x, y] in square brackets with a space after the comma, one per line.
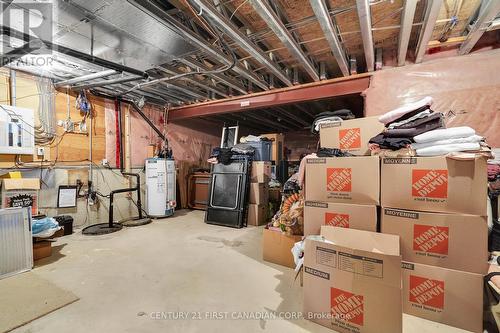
[422, 114]
[444, 134]
[470, 139]
[402, 110]
[445, 149]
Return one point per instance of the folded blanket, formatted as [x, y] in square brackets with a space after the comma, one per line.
[469, 139]
[419, 115]
[444, 134]
[328, 120]
[445, 149]
[390, 143]
[417, 127]
[399, 112]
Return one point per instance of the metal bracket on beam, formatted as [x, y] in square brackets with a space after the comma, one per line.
[379, 61]
[322, 70]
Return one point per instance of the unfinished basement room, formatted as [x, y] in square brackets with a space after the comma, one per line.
[213, 166]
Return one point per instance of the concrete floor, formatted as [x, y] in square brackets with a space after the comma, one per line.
[128, 280]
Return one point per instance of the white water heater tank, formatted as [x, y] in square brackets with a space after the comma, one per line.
[160, 187]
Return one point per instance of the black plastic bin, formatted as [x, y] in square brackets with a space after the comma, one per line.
[262, 150]
[66, 222]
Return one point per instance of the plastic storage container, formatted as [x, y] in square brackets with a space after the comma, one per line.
[262, 150]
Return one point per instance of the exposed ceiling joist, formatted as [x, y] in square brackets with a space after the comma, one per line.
[278, 97]
[230, 82]
[365, 23]
[225, 25]
[282, 117]
[304, 110]
[84, 78]
[292, 116]
[157, 12]
[322, 14]
[486, 16]
[108, 83]
[266, 121]
[407, 17]
[184, 90]
[194, 82]
[431, 15]
[265, 11]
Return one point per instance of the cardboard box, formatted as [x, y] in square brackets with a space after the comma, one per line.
[42, 249]
[443, 295]
[351, 135]
[352, 281]
[261, 172]
[437, 184]
[21, 192]
[257, 214]
[277, 247]
[353, 180]
[453, 241]
[318, 213]
[277, 146]
[259, 193]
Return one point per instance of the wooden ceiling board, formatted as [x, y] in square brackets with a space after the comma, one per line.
[386, 14]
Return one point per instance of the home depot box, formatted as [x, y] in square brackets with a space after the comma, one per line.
[354, 180]
[259, 193]
[352, 281]
[21, 192]
[443, 295]
[257, 214]
[277, 247]
[438, 184]
[318, 213]
[455, 241]
[261, 172]
[351, 135]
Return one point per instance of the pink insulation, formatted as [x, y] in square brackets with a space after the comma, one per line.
[466, 89]
[191, 140]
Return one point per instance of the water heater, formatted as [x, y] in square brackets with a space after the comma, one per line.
[160, 187]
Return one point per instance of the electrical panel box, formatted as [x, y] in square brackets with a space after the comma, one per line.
[16, 130]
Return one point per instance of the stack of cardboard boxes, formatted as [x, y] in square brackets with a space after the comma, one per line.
[259, 193]
[428, 260]
[343, 191]
[437, 205]
[352, 278]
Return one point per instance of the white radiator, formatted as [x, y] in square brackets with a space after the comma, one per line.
[16, 244]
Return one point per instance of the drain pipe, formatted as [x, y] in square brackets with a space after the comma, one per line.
[12, 83]
[118, 129]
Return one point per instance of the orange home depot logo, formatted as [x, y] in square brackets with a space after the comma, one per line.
[427, 292]
[430, 183]
[350, 138]
[347, 306]
[428, 238]
[338, 179]
[337, 220]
